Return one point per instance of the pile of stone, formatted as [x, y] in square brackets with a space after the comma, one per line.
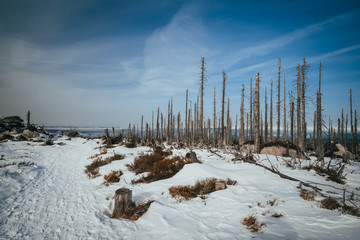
[13, 128]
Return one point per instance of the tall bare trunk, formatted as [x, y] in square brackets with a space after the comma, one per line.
[303, 90]
[162, 129]
[142, 123]
[285, 132]
[257, 114]
[346, 131]
[271, 111]
[292, 106]
[266, 122]
[351, 123]
[214, 128]
[168, 125]
[241, 134]
[158, 124]
[223, 108]
[251, 111]
[202, 101]
[186, 119]
[342, 126]
[236, 130]
[298, 109]
[278, 103]
[314, 133]
[178, 136]
[319, 148]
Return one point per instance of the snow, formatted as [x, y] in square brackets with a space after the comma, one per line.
[54, 199]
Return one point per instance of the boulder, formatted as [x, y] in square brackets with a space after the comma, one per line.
[336, 150]
[30, 134]
[192, 156]
[284, 149]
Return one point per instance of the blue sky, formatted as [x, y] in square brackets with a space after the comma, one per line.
[91, 63]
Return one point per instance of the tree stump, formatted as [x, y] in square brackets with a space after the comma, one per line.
[192, 156]
[123, 200]
[108, 140]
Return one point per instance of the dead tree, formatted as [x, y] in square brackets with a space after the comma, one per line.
[158, 124]
[162, 129]
[178, 128]
[202, 101]
[292, 106]
[142, 123]
[319, 146]
[251, 111]
[266, 122]
[342, 126]
[186, 119]
[314, 133]
[298, 110]
[208, 131]
[278, 103]
[285, 132]
[214, 128]
[257, 114]
[271, 111]
[223, 108]
[241, 134]
[28, 118]
[303, 90]
[236, 127]
[351, 123]
[168, 126]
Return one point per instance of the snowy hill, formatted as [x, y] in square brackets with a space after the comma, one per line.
[45, 194]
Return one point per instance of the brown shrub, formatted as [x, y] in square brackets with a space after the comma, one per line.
[351, 210]
[201, 187]
[252, 224]
[332, 174]
[162, 168]
[231, 182]
[92, 170]
[144, 163]
[307, 195]
[112, 177]
[329, 203]
[135, 211]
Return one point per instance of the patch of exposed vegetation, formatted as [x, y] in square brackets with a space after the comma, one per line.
[335, 175]
[112, 177]
[201, 188]
[135, 211]
[252, 224]
[307, 195]
[92, 170]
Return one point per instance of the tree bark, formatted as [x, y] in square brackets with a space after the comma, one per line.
[278, 103]
[257, 114]
[223, 108]
[241, 134]
[271, 111]
[123, 200]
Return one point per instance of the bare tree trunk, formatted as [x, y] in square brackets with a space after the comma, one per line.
[298, 110]
[214, 128]
[329, 129]
[251, 111]
[285, 132]
[266, 120]
[319, 148]
[292, 106]
[168, 126]
[247, 127]
[198, 120]
[257, 114]
[172, 127]
[338, 132]
[158, 124]
[178, 128]
[346, 130]
[142, 123]
[261, 129]
[241, 134]
[186, 119]
[271, 111]
[162, 129]
[223, 108]
[355, 132]
[190, 132]
[351, 123]
[28, 117]
[236, 130]
[342, 126]
[228, 123]
[278, 103]
[195, 122]
[202, 101]
[303, 136]
[314, 134]
[208, 131]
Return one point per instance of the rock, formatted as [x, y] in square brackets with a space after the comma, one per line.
[30, 134]
[281, 148]
[74, 134]
[337, 150]
[12, 123]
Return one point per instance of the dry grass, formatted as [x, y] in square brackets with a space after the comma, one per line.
[329, 203]
[334, 175]
[307, 195]
[112, 177]
[201, 188]
[157, 165]
[92, 170]
[135, 211]
[252, 224]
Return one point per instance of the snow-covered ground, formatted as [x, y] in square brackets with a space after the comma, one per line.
[54, 199]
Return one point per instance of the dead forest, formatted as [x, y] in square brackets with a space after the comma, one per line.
[282, 119]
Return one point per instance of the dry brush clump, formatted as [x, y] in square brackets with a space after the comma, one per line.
[253, 224]
[112, 177]
[329, 203]
[157, 165]
[307, 195]
[335, 175]
[92, 170]
[135, 211]
[201, 188]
